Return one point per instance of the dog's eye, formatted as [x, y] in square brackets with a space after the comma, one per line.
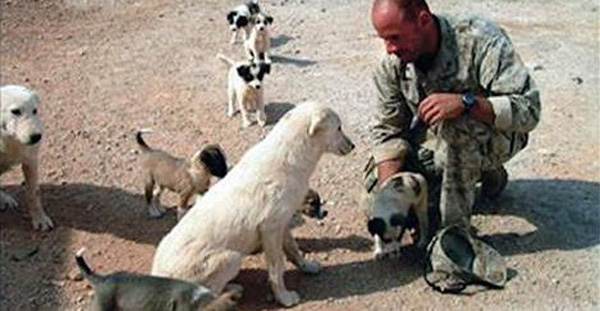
[16, 112]
[35, 111]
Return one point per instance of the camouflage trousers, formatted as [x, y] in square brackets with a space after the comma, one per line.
[452, 159]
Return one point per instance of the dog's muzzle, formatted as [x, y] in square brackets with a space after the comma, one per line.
[347, 147]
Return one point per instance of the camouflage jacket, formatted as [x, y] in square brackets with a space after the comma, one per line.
[476, 55]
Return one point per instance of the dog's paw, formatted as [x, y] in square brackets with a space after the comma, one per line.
[310, 267]
[231, 113]
[246, 123]
[7, 202]
[288, 298]
[42, 222]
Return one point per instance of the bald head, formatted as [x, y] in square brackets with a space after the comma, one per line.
[406, 27]
[409, 8]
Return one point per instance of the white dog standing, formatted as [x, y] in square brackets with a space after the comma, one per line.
[245, 90]
[20, 136]
[251, 208]
[258, 43]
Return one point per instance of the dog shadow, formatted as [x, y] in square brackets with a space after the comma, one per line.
[564, 213]
[352, 242]
[280, 40]
[276, 111]
[95, 209]
[280, 59]
[334, 282]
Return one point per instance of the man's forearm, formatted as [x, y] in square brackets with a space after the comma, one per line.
[388, 168]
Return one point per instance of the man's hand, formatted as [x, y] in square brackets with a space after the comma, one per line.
[386, 169]
[440, 106]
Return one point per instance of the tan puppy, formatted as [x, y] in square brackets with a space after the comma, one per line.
[20, 136]
[187, 178]
[251, 208]
[400, 204]
[258, 43]
[245, 90]
[126, 291]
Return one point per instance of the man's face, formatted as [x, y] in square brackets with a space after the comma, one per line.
[402, 36]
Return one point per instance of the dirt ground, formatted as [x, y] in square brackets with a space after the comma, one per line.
[105, 68]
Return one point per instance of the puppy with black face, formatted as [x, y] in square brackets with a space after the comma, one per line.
[241, 18]
[245, 90]
[258, 43]
[398, 205]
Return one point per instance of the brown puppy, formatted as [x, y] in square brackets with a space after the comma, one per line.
[126, 291]
[187, 178]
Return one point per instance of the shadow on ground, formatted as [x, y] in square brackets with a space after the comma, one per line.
[280, 40]
[292, 61]
[95, 209]
[275, 111]
[334, 282]
[564, 212]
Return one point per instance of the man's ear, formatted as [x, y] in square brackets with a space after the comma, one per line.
[317, 122]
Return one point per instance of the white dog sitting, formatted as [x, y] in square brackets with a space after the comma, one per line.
[20, 136]
[245, 90]
[258, 43]
[251, 208]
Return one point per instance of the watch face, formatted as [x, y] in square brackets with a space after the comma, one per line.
[468, 100]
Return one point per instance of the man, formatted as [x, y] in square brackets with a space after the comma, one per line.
[468, 96]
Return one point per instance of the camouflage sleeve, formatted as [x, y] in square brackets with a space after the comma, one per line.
[514, 96]
[393, 116]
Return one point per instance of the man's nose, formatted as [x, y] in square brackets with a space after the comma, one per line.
[391, 47]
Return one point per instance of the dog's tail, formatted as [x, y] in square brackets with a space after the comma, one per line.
[214, 159]
[87, 273]
[226, 59]
[140, 140]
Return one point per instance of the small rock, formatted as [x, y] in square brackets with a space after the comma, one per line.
[577, 80]
[323, 10]
[538, 67]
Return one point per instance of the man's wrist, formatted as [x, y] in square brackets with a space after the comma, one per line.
[469, 101]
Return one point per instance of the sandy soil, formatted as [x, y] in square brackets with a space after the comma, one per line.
[105, 68]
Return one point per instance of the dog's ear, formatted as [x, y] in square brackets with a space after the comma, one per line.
[269, 19]
[376, 227]
[242, 21]
[230, 16]
[266, 67]
[243, 71]
[317, 122]
[214, 159]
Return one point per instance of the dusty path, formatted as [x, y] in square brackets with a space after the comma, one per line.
[105, 68]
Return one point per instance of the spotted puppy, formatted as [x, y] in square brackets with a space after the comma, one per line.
[245, 89]
[241, 18]
[20, 137]
[398, 205]
[258, 43]
[187, 178]
[126, 291]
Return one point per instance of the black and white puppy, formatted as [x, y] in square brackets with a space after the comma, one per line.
[241, 18]
[258, 44]
[245, 89]
[400, 204]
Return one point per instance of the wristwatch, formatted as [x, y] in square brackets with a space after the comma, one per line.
[468, 101]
